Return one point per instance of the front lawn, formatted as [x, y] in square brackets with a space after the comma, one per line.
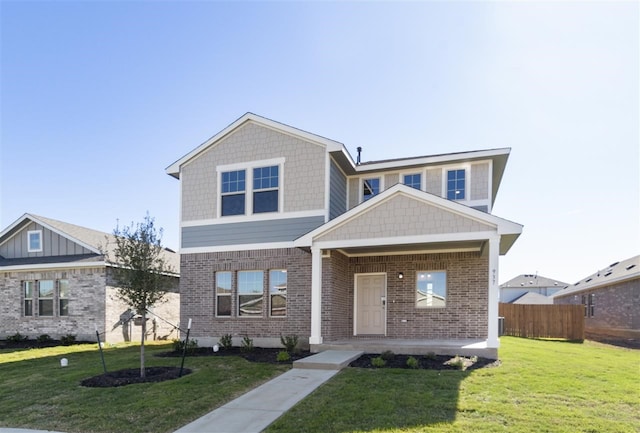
[35, 392]
[541, 386]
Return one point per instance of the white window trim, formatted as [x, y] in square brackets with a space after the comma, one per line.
[446, 287]
[467, 174]
[34, 250]
[361, 186]
[248, 190]
[422, 174]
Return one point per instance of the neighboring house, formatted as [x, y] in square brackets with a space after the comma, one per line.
[531, 298]
[516, 287]
[54, 280]
[283, 233]
[611, 299]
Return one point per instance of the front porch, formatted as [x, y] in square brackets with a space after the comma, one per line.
[467, 347]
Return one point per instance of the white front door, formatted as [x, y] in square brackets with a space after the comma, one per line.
[370, 293]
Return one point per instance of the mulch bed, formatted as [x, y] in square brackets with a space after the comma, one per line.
[258, 354]
[132, 375]
[427, 362]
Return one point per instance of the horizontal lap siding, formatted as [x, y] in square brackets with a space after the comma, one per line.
[280, 230]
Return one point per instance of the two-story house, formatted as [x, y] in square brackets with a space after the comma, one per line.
[282, 232]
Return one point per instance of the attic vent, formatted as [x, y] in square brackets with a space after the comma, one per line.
[607, 274]
[589, 279]
[630, 267]
[613, 264]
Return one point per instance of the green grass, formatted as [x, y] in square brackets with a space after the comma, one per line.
[541, 386]
[35, 392]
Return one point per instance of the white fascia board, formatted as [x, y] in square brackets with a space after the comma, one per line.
[48, 227]
[330, 145]
[242, 247]
[432, 160]
[50, 266]
[405, 240]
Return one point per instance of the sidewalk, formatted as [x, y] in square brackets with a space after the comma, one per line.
[257, 409]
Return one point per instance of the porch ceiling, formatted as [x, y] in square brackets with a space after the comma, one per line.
[432, 247]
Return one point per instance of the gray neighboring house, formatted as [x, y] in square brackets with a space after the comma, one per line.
[611, 299]
[282, 232]
[54, 280]
[513, 290]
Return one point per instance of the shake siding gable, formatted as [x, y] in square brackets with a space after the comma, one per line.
[403, 216]
[302, 181]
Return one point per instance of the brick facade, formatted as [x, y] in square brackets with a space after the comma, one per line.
[616, 313]
[464, 317]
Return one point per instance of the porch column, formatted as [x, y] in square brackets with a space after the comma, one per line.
[494, 290]
[316, 296]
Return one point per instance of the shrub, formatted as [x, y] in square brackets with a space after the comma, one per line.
[457, 362]
[290, 343]
[246, 345]
[412, 362]
[44, 338]
[430, 356]
[378, 362]
[226, 341]
[17, 338]
[283, 356]
[191, 346]
[68, 340]
[387, 355]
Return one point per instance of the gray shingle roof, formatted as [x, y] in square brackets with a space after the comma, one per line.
[532, 281]
[614, 273]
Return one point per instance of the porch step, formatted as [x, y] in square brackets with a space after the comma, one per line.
[328, 360]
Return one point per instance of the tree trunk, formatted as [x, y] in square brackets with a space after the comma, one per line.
[144, 331]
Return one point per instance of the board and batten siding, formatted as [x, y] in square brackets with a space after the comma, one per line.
[279, 230]
[53, 244]
[338, 192]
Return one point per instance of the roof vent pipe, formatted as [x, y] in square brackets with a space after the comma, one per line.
[359, 149]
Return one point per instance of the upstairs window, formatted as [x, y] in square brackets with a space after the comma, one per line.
[456, 184]
[34, 241]
[233, 192]
[265, 189]
[413, 180]
[370, 187]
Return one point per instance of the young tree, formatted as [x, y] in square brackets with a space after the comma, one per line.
[140, 269]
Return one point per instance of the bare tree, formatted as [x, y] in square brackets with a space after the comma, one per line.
[140, 270]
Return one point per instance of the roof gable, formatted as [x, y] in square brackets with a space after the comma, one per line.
[407, 214]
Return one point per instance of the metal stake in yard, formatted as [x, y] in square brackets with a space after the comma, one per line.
[184, 348]
[104, 366]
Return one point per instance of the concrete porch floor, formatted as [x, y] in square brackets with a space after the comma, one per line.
[411, 347]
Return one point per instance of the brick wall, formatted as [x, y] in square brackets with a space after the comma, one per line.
[86, 304]
[465, 314]
[616, 313]
[197, 299]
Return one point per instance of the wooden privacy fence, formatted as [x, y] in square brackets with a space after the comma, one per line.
[543, 321]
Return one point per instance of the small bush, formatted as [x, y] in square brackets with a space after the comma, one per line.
[44, 338]
[17, 338]
[226, 341]
[290, 343]
[68, 340]
[378, 362]
[430, 356]
[246, 345]
[412, 362]
[283, 356]
[191, 346]
[387, 355]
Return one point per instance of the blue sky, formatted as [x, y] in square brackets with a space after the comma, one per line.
[97, 98]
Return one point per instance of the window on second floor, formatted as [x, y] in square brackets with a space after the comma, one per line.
[456, 184]
[370, 187]
[265, 189]
[233, 192]
[413, 180]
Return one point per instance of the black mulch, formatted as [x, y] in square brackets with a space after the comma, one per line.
[258, 354]
[427, 362]
[132, 375]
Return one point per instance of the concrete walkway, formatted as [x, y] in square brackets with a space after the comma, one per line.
[257, 409]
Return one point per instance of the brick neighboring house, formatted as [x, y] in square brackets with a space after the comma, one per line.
[54, 280]
[283, 233]
[514, 290]
[611, 299]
